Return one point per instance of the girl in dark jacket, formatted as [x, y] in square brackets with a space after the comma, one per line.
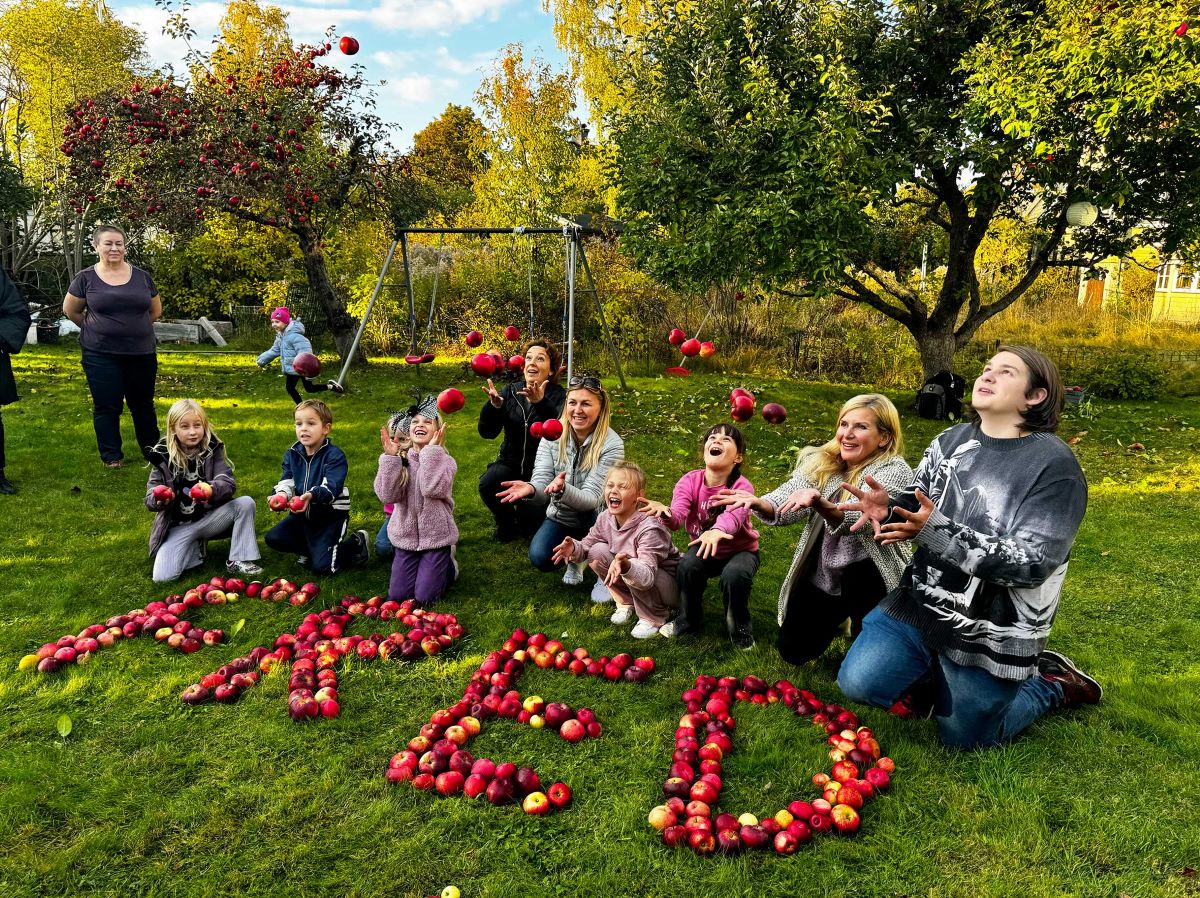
[191, 491]
[512, 411]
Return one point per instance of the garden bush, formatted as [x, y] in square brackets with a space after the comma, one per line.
[1125, 375]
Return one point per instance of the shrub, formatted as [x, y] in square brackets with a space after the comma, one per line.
[1125, 375]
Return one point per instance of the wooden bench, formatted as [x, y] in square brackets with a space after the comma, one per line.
[185, 331]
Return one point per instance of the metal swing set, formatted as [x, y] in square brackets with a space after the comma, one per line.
[572, 234]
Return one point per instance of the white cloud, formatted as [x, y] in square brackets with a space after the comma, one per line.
[415, 89]
[473, 65]
[393, 60]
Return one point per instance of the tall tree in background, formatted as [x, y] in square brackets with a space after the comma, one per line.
[449, 153]
[288, 142]
[777, 140]
[538, 164]
[52, 54]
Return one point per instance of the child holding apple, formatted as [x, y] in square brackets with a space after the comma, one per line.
[290, 341]
[993, 510]
[191, 492]
[723, 544]
[313, 490]
[630, 551]
[416, 475]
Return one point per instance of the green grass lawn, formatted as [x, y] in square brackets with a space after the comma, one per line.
[147, 796]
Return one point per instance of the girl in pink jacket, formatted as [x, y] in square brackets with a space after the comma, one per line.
[416, 475]
[631, 553]
[722, 542]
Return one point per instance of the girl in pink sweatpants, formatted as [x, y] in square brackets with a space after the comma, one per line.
[416, 475]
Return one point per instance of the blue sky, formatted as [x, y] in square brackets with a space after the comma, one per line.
[429, 52]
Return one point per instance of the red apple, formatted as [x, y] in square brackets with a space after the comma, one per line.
[707, 349]
[690, 347]
[348, 45]
[702, 842]
[774, 413]
[296, 503]
[450, 401]
[483, 364]
[845, 819]
[559, 795]
[512, 333]
[572, 730]
[536, 803]
[674, 836]
[676, 337]
[449, 783]
[661, 817]
[475, 785]
[754, 836]
[552, 429]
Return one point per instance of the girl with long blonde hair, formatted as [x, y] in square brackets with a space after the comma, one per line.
[835, 574]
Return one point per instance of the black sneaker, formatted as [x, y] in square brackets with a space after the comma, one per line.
[1077, 687]
[742, 638]
[7, 488]
[364, 546]
[335, 387]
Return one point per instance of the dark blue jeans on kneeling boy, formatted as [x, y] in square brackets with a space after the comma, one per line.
[973, 708]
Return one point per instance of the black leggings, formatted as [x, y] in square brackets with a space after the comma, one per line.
[513, 519]
[309, 386]
[812, 617]
[736, 573]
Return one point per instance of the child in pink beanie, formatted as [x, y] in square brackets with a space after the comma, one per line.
[289, 343]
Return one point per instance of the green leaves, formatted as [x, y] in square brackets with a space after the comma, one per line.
[63, 725]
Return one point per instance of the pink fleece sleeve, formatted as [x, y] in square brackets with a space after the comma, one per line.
[652, 546]
[731, 520]
[433, 470]
[387, 479]
[682, 499]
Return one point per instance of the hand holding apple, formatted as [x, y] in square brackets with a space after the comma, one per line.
[201, 492]
[515, 491]
[163, 495]
[299, 504]
[277, 502]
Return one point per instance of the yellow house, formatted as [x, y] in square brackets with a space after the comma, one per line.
[1177, 293]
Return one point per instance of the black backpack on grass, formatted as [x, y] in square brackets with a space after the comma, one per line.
[941, 396]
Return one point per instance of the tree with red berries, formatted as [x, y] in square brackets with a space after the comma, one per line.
[287, 142]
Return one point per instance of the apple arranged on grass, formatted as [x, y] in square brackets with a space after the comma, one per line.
[704, 740]
[450, 401]
[318, 645]
[163, 619]
[492, 693]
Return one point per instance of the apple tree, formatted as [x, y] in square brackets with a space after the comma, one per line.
[785, 141]
[288, 143]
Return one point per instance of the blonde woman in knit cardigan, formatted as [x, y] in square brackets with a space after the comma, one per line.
[835, 574]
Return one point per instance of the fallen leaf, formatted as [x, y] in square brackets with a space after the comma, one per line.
[63, 724]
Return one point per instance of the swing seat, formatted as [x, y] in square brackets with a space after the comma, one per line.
[427, 358]
[678, 371]
[413, 359]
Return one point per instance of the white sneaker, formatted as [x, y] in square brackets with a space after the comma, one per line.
[621, 616]
[249, 568]
[673, 628]
[600, 593]
[644, 630]
[573, 575]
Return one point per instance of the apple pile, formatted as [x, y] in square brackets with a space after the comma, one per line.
[279, 589]
[437, 758]
[317, 646]
[164, 620]
[705, 738]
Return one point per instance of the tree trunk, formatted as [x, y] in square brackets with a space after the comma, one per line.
[937, 350]
[341, 325]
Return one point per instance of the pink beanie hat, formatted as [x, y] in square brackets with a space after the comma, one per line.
[282, 314]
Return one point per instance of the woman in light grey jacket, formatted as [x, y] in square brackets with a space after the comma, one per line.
[569, 474]
[835, 574]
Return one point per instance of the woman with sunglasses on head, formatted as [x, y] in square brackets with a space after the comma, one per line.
[569, 474]
[511, 411]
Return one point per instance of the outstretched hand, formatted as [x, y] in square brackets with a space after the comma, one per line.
[514, 491]
[618, 567]
[534, 391]
[563, 551]
[708, 542]
[911, 523]
[493, 396]
[649, 506]
[557, 485]
[873, 504]
[731, 498]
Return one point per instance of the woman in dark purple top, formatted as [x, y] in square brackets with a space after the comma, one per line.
[115, 305]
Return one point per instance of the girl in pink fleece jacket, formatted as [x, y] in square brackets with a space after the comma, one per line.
[631, 553]
[723, 544]
[416, 475]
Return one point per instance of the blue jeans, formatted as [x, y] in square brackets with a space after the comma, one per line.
[384, 550]
[550, 534]
[973, 708]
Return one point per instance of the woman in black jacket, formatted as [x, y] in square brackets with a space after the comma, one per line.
[14, 324]
[512, 411]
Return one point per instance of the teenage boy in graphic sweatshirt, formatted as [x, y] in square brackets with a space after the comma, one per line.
[993, 509]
